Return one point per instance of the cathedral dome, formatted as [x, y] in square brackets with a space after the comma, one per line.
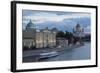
[78, 25]
[30, 25]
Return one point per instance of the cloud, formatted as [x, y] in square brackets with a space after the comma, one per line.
[61, 20]
[42, 17]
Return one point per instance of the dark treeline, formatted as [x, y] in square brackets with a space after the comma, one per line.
[66, 34]
[72, 39]
[87, 38]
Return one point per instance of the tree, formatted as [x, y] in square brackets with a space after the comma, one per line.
[60, 34]
[68, 35]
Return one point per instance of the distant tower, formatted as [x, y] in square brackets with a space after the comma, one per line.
[82, 29]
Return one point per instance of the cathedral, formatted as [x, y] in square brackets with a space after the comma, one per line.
[38, 38]
[78, 31]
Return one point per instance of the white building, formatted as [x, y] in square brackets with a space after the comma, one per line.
[78, 31]
[34, 38]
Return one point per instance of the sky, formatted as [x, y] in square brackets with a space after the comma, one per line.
[64, 21]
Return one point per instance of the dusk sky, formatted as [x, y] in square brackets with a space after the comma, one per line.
[64, 21]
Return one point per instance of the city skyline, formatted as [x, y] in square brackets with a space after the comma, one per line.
[64, 21]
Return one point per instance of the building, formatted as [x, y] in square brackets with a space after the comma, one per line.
[35, 38]
[78, 31]
[62, 42]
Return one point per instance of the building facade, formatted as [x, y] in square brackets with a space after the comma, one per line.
[78, 31]
[35, 38]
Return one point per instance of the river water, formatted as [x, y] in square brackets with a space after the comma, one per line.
[80, 53]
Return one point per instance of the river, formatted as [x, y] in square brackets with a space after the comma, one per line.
[80, 53]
